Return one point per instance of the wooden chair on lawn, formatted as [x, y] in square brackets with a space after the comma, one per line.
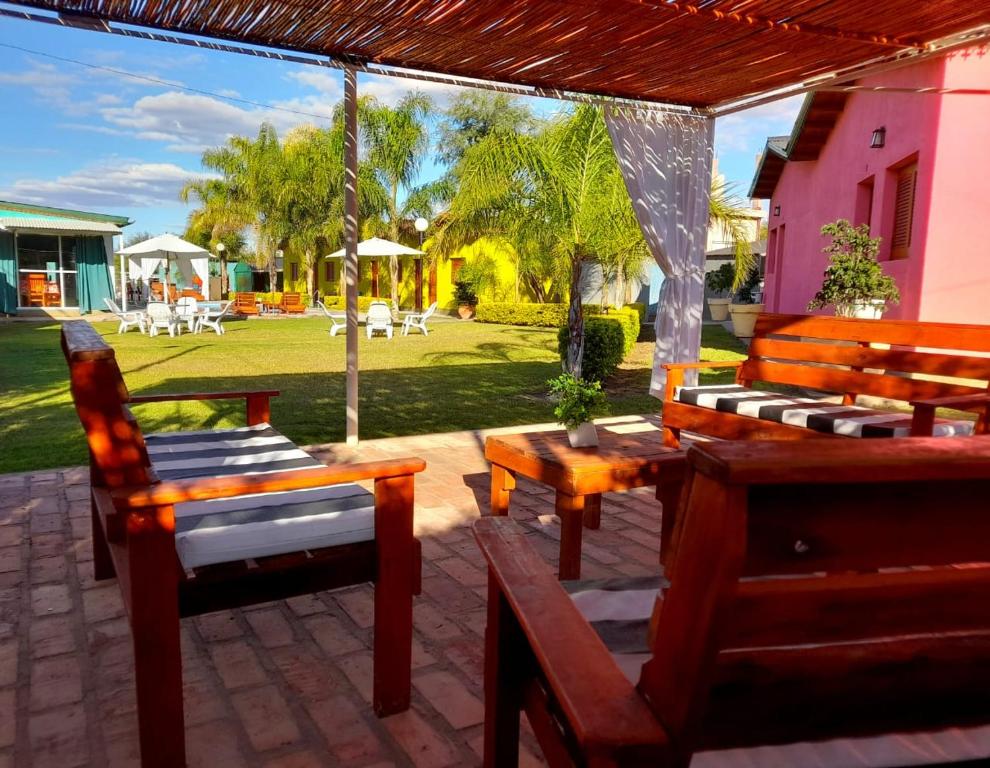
[245, 303]
[292, 303]
[177, 518]
[827, 604]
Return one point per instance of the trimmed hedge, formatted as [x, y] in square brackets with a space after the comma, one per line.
[603, 347]
[544, 315]
[639, 307]
[339, 302]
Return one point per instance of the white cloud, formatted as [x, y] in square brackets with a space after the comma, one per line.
[750, 128]
[107, 185]
[46, 80]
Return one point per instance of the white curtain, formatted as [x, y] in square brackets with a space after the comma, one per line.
[201, 266]
[149, 265]
[666, 160]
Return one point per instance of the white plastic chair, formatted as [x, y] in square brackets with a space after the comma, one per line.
[128, 320]
[418, 320]
[160, 315]
[338, 320]
[379, 319]
[214, 319]
[187, 311]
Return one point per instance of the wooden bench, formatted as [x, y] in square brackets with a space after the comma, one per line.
[245, 303]
[826, 604]
[292, 303]
[177, 520]
[928, 365]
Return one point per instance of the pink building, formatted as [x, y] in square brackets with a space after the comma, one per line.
[915, 166]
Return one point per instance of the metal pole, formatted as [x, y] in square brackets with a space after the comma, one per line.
[350, 247]
[123, 273]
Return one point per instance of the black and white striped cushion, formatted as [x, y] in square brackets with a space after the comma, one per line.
[811, 413]
[225, 530]
[620, 610]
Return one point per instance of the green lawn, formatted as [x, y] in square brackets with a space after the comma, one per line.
[462, 376]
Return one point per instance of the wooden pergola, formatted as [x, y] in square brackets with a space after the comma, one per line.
[708, 58]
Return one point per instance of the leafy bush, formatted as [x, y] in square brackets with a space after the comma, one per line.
[853, 276]
[719, 281]
[640, 308]
[339, 302]
[604, 346]
[744, 295]
[578, 400]
[464, 292]
[543, 315]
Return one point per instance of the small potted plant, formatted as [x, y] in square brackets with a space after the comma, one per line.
[854, 283]
[747, 305]
[577, 403]
[719, 282]
[466, 298]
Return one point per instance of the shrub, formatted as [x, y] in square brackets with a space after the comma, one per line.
[578, 401]
[854, 275]
[640, 308]
[339, 302]
[464, 292]
[543, 315]
[604, 346]
[719, 281]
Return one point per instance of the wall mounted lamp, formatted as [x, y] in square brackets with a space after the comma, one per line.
[879, 138]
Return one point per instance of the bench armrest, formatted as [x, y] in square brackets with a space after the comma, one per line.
[923, 420]
[257, 402]
[204, 489]
[601, 706]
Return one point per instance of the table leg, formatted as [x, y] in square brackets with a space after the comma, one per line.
[570, 510]
[503, 483]
[593, 511]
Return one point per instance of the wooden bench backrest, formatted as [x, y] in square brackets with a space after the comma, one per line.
[826, 589]
[244, 299]
[291, 298]
[115, 441]
[835, 354]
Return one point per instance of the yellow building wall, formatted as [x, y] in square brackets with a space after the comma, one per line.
[495, 257]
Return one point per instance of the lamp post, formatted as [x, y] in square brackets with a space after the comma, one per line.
[223, 270]
[421, 225]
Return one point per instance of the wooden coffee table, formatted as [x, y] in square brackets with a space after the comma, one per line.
[581, 475]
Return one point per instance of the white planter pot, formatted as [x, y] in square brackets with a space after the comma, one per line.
[583, 436]
[863, 310]
[744, 319]
[719, 309]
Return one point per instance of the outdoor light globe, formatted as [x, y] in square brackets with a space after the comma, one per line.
[421, 224]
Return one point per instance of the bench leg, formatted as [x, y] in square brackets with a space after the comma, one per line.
[503, 690]
[154, 604]
[102, 562]
[396, 552]
[503, 483]
[570, 510]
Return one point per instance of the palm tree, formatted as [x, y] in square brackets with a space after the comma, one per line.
[396, 139]
[558, 192]
[726, 212]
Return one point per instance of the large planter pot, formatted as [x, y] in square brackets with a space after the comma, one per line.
[863, 310]
[744, 319]
[719, 309]
[583, 436]
[465, 311]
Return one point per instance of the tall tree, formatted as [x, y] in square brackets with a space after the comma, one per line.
[396, 139]
[558, 190]
[473, 115]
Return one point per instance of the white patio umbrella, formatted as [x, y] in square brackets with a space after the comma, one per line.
[377, 247]
[149, 254]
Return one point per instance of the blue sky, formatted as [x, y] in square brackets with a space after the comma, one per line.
[124, 134]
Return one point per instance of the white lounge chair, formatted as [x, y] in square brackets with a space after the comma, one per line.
[128, 320]
[160, 315]
[187, 311]
[338, 320]
[213, 319]
[418, 320]
[379, 319]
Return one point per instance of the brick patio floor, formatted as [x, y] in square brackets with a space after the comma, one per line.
[283, 684]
